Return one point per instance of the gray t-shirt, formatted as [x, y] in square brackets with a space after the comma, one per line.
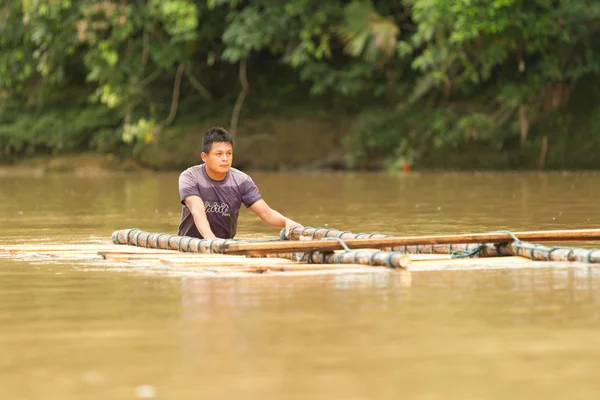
[222, 200]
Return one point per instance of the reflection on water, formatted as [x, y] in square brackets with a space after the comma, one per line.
[71, 330]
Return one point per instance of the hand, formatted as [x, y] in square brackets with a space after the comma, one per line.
[289, 225]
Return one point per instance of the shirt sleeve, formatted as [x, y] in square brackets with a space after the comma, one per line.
[250, 193]
[187, 186]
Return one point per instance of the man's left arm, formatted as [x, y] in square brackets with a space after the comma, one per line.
[272, 217]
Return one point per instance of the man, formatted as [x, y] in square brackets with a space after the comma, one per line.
[212, 193]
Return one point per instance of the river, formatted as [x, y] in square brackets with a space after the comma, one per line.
[73, 330]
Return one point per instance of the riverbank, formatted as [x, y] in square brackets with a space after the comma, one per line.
[315, 143]
[87, 163]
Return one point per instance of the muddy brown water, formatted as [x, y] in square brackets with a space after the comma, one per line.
[74, 330]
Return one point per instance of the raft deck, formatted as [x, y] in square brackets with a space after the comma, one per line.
[139, 256]
[222, 263]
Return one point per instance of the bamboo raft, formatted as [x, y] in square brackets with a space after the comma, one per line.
[308, 249]
[173, 259]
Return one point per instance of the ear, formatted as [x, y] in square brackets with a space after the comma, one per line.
[204, 156]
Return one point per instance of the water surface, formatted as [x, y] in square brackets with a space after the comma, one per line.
[72, 330]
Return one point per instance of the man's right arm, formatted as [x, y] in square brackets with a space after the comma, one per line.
[196, 206]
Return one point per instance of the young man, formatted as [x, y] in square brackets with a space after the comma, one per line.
[212, 193]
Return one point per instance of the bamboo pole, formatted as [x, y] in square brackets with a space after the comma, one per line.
[136, 237]
[485, 237]
[330, 245]
[399, 242]
[374, 258]
[543, 253]
[485, 250]
[308, 232]
[321, 251]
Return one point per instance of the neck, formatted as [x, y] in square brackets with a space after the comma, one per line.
[215, 176]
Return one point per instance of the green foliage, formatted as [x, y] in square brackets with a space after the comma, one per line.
[524, 49]
[179, 18]
[55, 130]
[368, 34]
[419, 75]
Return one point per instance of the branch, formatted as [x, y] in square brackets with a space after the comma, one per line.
[145, 49]
[198, 86]
[150, 77]
[543, 153]
[175, 101]
[240, 100]
[408, 27]
[129, 47]
[524, 123]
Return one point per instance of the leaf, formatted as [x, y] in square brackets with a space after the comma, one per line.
[368, 34]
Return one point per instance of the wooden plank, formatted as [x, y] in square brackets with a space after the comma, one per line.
[124, 256]
[94, 248]
[277, 267]
[426, 257]
[407, 262]
[143, 251]
[102, 253]
[323, 267]
[331, 245]
[353, 268]
[223, 261]
[259, 262]
[253, 270]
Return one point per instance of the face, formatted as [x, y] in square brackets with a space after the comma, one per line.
[219, 157]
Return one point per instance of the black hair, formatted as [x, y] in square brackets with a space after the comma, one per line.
[216, 134]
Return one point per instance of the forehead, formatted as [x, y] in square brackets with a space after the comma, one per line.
[220, 147]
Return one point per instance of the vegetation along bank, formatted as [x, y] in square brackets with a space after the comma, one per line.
[304, 83]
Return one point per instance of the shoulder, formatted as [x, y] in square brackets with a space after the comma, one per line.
[239, 176]
[193, 171]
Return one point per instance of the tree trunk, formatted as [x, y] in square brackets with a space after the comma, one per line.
[524, 123]
[175, 101]
[240, 100]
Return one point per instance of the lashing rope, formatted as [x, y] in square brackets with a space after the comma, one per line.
[466, 253]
